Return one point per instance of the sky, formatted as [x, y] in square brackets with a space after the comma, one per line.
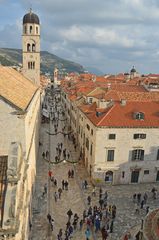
[110, 35]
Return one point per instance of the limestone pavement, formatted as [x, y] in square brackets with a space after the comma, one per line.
[76, 198]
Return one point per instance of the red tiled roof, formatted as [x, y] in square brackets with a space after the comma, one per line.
[122, 116]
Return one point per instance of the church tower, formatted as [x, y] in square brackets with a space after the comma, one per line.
[31, 47]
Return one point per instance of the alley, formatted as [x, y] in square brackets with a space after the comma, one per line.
[76, 198]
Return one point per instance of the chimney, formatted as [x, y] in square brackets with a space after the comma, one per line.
[123, 102]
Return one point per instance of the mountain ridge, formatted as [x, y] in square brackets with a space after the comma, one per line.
[13, 57]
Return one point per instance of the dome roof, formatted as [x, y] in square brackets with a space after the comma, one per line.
[133, 70]
[31, 18]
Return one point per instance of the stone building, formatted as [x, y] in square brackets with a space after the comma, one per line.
[31, 47]
[116, 129]
[19, 123]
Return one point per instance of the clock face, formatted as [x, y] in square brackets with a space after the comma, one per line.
[31, 56]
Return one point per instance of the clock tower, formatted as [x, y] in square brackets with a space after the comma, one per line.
[31, 47]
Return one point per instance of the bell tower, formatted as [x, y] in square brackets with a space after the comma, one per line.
[31, 47]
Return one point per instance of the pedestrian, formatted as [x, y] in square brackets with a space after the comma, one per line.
[70, 231]
[139, 198]
[137, 208]
[89, 200]
[43, 155]
[45, 189]
[94, 191]
[66, 185]
[59, 192]
[55, 182]
[97, 223]
[52, 224]
[69, 213]
[142, 204]
[134, 197]
[49, 218]
[68, 155]
[104, 233]
[87, 234]
[69, 173]
[85, 184]
[81, 224]
[63, 184]
[59, 236]
[50, 174]
[55, 196]
[145, 197]
[75, 220]
[147, 209]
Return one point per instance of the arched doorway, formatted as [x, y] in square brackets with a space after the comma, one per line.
[109, 176]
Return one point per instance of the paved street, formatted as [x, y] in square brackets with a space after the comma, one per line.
[76, 198]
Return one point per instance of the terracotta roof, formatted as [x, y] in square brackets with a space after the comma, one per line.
[15, 88]
[122, 116]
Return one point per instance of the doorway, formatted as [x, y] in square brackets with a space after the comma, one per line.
[109, 176]
[135, 176]
[157, 176]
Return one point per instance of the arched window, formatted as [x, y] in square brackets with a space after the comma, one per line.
[33, 47]
[28, 47]
[31, 28]
[33, 65]
[28, 65]
[36, 30]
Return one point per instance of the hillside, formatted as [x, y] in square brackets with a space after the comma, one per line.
[10, 57]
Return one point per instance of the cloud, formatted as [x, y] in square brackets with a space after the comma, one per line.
[112, 35]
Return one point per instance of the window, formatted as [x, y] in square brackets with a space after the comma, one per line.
[31, 28]
[36, 30]
[123, 174]
[139, 136]
[90, 100]
[31, 65]
[139, 115]
[138, 154]
[112, 136]
[33, 47]
[28, 47]
[91, 131]
[91, 149]
[110, 155]
[158, 154]
[146, 172]
[88, 127]
[87, 143]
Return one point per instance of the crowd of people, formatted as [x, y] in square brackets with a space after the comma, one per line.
[97, 218]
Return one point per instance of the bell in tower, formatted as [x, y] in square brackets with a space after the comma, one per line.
[31, 47]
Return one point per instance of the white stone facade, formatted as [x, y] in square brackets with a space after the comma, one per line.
[95, 144]
[31, 52]
[19, 140]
